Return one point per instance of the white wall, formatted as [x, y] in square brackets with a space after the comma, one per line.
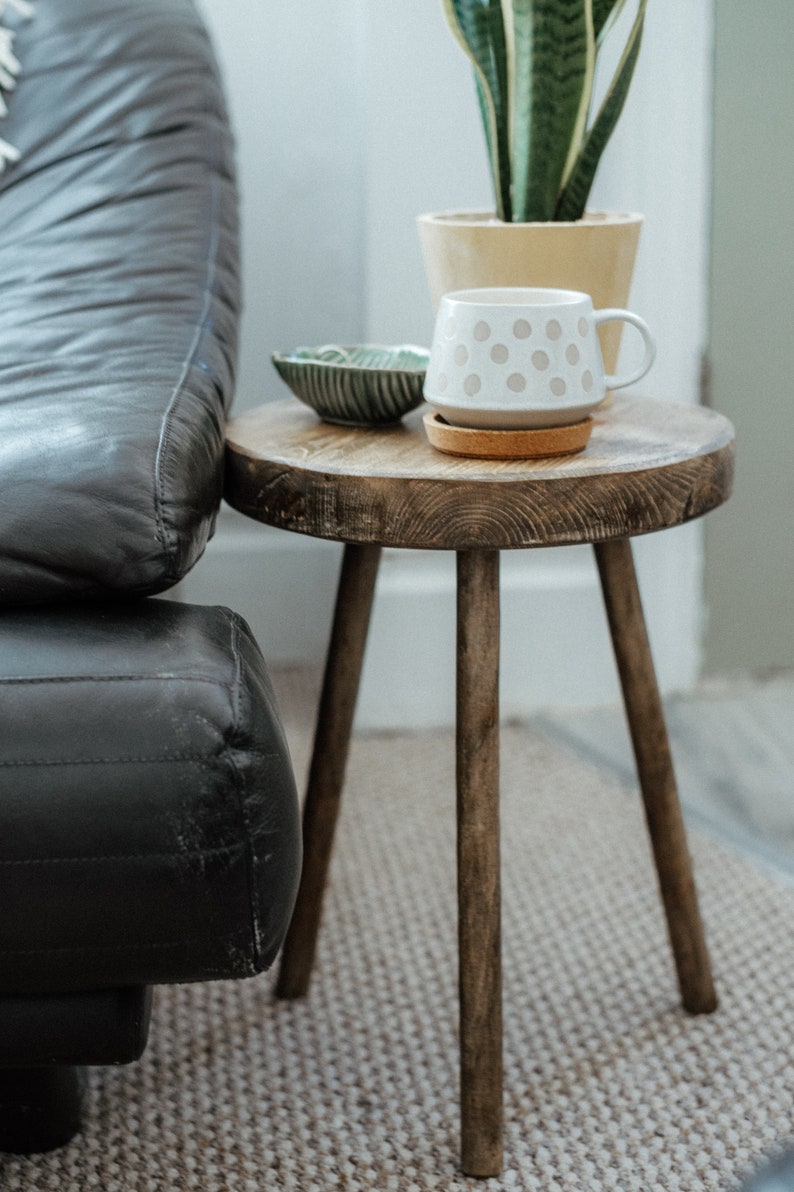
[750, 562]
[351, 119]
[293, 83]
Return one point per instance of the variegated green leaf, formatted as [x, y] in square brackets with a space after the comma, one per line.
[534, 64]
[499, 157]
[605, 13]
[498, 86]
[477, 26]
[550, 62]
[577, 187]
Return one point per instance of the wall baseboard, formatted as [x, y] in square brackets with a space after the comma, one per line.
[555, 644]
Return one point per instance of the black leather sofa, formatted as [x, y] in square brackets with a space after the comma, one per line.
[149, 829]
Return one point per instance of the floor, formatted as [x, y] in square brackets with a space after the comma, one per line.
[733, 749]
[732, 743]
[607, 1084]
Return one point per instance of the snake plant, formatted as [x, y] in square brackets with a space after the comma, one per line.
[535, 67]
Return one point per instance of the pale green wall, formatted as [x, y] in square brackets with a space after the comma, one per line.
[750, 542]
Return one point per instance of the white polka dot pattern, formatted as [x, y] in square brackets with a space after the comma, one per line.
[546, 359]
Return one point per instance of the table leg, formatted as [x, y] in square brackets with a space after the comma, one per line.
[479, 940]
[329, 757]
[655, 769]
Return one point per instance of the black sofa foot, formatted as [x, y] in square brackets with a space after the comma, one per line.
[39, 1108]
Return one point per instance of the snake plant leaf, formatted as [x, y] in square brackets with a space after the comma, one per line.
[551, 54]
[605, 13]
[534, 66]
[578, 184]
[477, 26]
[499, 156]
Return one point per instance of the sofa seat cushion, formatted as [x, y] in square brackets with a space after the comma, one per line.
[119, 302]
[148, 819]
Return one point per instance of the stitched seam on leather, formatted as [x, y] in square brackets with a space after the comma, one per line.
[206, 852]
[165, 432]
[201, 758]
[114, 679]
[185, 939]
[239, 782]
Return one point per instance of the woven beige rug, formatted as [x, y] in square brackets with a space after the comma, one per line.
[608, 1084]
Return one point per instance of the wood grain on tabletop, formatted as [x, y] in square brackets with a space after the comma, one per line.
[649, 464]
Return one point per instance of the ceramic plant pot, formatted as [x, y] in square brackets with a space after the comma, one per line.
[473, 249]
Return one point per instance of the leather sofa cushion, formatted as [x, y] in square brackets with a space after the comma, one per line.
[148, 818]
[118, 303]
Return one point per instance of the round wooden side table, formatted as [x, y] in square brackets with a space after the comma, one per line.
[649, 465]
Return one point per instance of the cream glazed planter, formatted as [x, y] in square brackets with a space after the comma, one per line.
[466, 250]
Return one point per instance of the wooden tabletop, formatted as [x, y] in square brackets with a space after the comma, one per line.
[649, 465]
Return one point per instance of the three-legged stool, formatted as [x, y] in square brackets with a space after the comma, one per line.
[649, 465]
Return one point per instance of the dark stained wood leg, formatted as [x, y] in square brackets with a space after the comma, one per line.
[329, 758]
[655, 769]
[479, 931]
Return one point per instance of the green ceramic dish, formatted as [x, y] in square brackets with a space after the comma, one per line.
[362, 385]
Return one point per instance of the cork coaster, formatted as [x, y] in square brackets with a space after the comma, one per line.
[506, 444]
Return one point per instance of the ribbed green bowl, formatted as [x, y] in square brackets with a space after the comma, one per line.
[362, 385]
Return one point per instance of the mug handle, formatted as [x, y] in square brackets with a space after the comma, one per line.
[607, 316]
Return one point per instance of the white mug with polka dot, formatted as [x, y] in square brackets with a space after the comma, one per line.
[515, 358]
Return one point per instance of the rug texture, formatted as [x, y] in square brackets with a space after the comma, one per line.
[608, 1084]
